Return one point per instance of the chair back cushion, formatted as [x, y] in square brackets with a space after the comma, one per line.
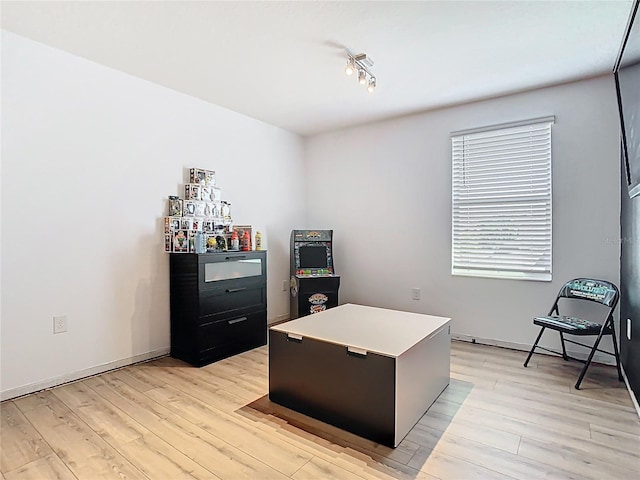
[599, 291]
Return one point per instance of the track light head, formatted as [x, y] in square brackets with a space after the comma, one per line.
[362, 76]
[372, 85]
[350, 68]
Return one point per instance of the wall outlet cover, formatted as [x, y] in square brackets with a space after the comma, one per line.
[60, 324]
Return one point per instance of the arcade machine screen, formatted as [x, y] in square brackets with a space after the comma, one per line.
[313, 257]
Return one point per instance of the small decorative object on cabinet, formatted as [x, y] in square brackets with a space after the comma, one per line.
[218, 305]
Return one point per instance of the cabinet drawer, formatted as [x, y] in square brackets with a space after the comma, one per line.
[231, 283]
[231, 266]
[232, 300]
[250, 329]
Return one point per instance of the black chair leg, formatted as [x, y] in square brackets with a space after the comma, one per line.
[564, 350]
[526, 362]
[588, 362]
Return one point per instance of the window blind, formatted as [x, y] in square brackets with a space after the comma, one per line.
[501, 198]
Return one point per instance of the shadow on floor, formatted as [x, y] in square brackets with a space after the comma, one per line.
[407, 458]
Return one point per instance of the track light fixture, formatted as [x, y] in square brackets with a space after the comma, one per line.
[361, 63]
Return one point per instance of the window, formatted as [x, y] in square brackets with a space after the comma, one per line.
[501, 197]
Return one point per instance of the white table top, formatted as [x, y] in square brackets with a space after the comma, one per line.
[372, 329]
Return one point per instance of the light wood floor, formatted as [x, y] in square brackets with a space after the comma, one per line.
[166, 420]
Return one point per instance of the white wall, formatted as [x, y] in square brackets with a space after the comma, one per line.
[89, 156]
[389, 203]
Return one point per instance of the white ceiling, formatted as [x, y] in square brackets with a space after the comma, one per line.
[283, 62]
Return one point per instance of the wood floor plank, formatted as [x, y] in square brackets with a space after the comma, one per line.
[318, 468]
[456, 392]
[513, 410]
[335, 434]
[499, 461]
[487, 435]
[49, 467]
[448, 467]
[35, 401]
[327, 447]
[557, 407]
[219, 395]
[559, 374]
[21, 443]
[627, 442]
[555, 371]
[254, 380]
[213, 453]
[333, 441]
[132, 377]
[84, 452]
[595, 411]
[546, 434]
[148, 452]
[279, 454]
[603, 391]
[550, 382]
[519, 387]
[242, 382]
[588, 466]
[476, 381]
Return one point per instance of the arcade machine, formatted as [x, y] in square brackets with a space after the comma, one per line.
[314, 284]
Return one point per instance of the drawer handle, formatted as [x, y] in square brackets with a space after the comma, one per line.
[292, 337]
[234, 290]
[238, 257]
[237, 320]
[356, 352]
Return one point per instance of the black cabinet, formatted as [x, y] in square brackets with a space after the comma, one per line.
[630, 287]
[314, 294]
[218, 304]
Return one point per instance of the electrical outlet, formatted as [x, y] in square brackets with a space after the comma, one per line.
[628, 328]
[285, 285]
[60, 324]
[416, 294]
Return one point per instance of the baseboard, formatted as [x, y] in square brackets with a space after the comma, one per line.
[633, 397]
[581, 354]
[71, 377]
[278, 319]
[88, 372]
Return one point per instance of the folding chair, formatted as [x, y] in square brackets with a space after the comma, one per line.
[599, 291]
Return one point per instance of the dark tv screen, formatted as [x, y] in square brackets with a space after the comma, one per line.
[627, 76]
[313, 256]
